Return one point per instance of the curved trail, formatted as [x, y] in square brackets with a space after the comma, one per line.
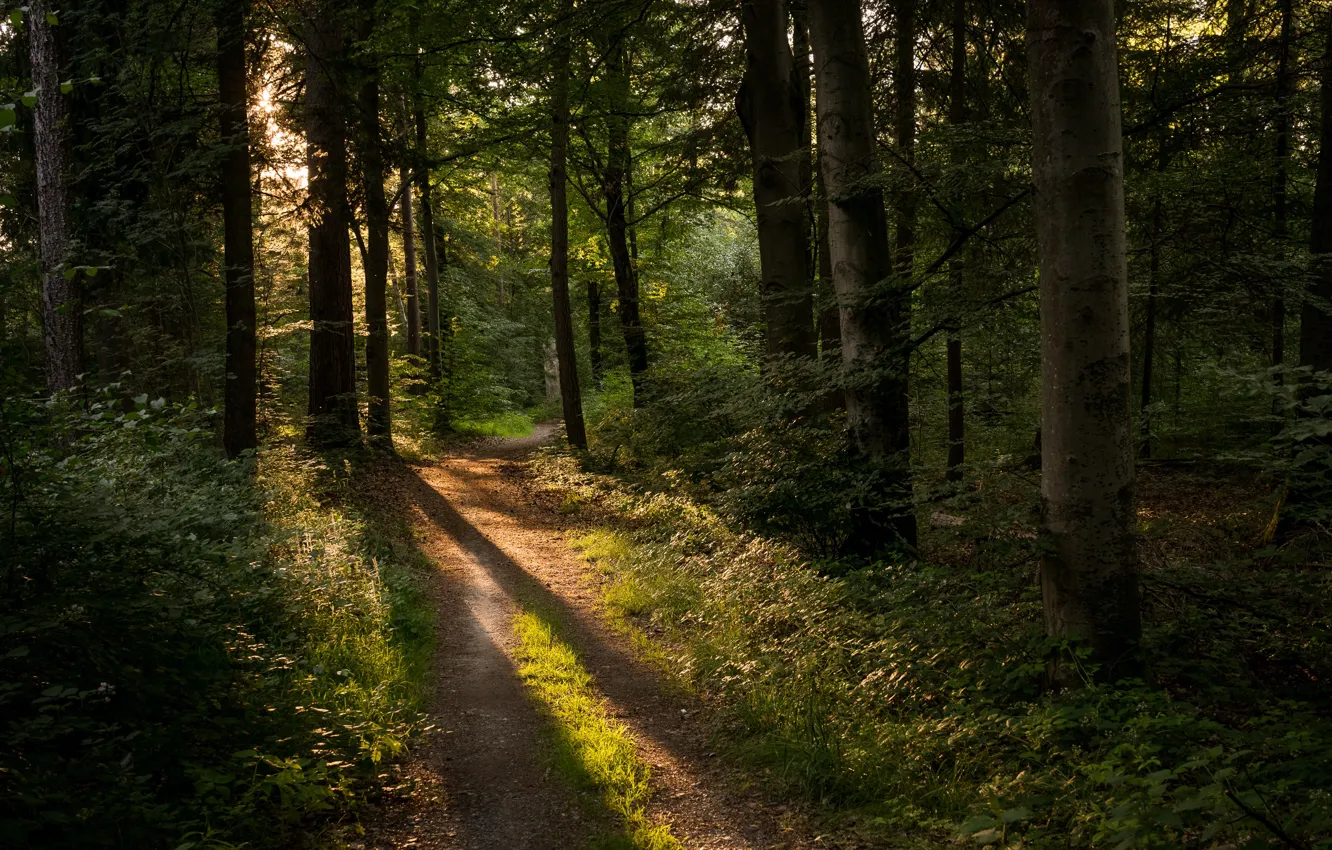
[482, 780]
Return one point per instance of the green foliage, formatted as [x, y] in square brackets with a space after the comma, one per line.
[188, 653]
[911, 696]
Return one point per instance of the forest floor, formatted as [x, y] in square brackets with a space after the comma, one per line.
[488, 773]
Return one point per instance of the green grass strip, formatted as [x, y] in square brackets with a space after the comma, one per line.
[591, 748]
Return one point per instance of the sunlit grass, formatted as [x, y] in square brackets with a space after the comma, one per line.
[591, 748]
[512, 424]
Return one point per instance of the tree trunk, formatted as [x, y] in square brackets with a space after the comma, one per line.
[957, 116]
[240, 397]
[1280, 179]
[594, 329]
[379, 419]
[1088, 572]
[334, 419]
[770, 109]
[905, 133]
[1149, 331]
[409, 262]
[1316, 314]
[62, 302]
[429, 244]
[619, 160]
[874, 346]
[559, 244]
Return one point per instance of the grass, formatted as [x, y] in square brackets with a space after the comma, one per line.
[510, 424]
[591, 749]
[908, 699]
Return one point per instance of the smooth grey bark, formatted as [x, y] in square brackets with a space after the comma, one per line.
[240, 390]
[379, 414]
[872, 307]
[771, 110]
[1088, 570]
[62, 298]
[570, 395]
[333, 416]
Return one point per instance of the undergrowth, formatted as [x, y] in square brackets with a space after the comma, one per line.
[908, 697]
[193, 655]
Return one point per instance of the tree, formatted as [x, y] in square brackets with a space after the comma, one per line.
[772, 110]
[873, 312]
[1088, 571]
[1316, 314]
[62, 283]
[409, 250]
[240, 409]
[619, 162]
[334, 419]
[957, 116]
[379, 414]
[565, 352]
[428, 238]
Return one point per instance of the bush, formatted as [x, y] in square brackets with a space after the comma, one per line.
[184, 653]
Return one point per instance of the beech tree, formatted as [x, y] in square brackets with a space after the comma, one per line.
[873, 310]
[772, 109]
[1089, 570]
[379, 418]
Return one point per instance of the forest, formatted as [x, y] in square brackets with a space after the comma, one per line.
[663, 424]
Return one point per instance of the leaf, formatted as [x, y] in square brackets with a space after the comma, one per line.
[976, 824]
[1020, 813]
[16, 18]
[17, 652]
[52, 19]
[67, 86]
[29, 99]
[8, 117]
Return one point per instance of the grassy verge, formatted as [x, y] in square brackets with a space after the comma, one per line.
[908, 699]
[591, 750]
[201, 657]
[512, 424]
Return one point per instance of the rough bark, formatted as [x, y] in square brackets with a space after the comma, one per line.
[62, 301]
[904, 131]
[957, 116]
[619, 159]
[379, 415]
[570, 397]
[1088, 572]
[1280, 181]
[334, 419]
[770, 109]
[872, 310]
[240, 392]
[1316, 314]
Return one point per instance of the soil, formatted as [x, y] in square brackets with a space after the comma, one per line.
[481, 779]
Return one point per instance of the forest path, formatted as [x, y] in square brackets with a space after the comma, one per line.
[483, 780]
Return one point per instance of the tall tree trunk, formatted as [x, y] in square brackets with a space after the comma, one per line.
[1280, 179]
[619, 160]
[379, 419]
[409, 259]
[334, 419]
[874, 347]
[1316, 314]
[1149, 331]
[770, 109]
[559, 243]
[594, 329]
[1088, 572]
[240, 394]
[905, 133]
[428, 242]
[957, 116]
[62, 301]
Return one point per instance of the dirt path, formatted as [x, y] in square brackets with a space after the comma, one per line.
[481, 780]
